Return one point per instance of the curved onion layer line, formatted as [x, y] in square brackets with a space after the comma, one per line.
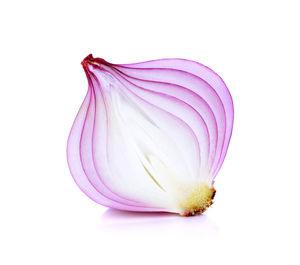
[99, 94]
[212, 98]
[86, 156]
[194, 134]
[200, 107]
[90, 138]
[142, 100]
[210, 77]
[97, 192]
[150, 136]
[171, 98]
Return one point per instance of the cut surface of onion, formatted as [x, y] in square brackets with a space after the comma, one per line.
[150, 136]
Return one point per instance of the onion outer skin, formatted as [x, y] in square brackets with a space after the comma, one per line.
[160, 97]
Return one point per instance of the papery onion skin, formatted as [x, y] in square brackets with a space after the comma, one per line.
[151, 136]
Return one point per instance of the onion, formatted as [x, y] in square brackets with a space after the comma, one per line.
[151, 136]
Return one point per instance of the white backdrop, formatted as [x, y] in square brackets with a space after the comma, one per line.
[253, 45]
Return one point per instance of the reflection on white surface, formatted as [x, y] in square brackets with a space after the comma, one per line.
[152, 224]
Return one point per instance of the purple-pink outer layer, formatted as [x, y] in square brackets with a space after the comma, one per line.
[188, 82]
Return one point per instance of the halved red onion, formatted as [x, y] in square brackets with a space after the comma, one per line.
[151, 136]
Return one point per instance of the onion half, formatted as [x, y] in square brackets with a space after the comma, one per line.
[150, 136]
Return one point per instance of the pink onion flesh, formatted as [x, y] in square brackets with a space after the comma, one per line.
[150, 136]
